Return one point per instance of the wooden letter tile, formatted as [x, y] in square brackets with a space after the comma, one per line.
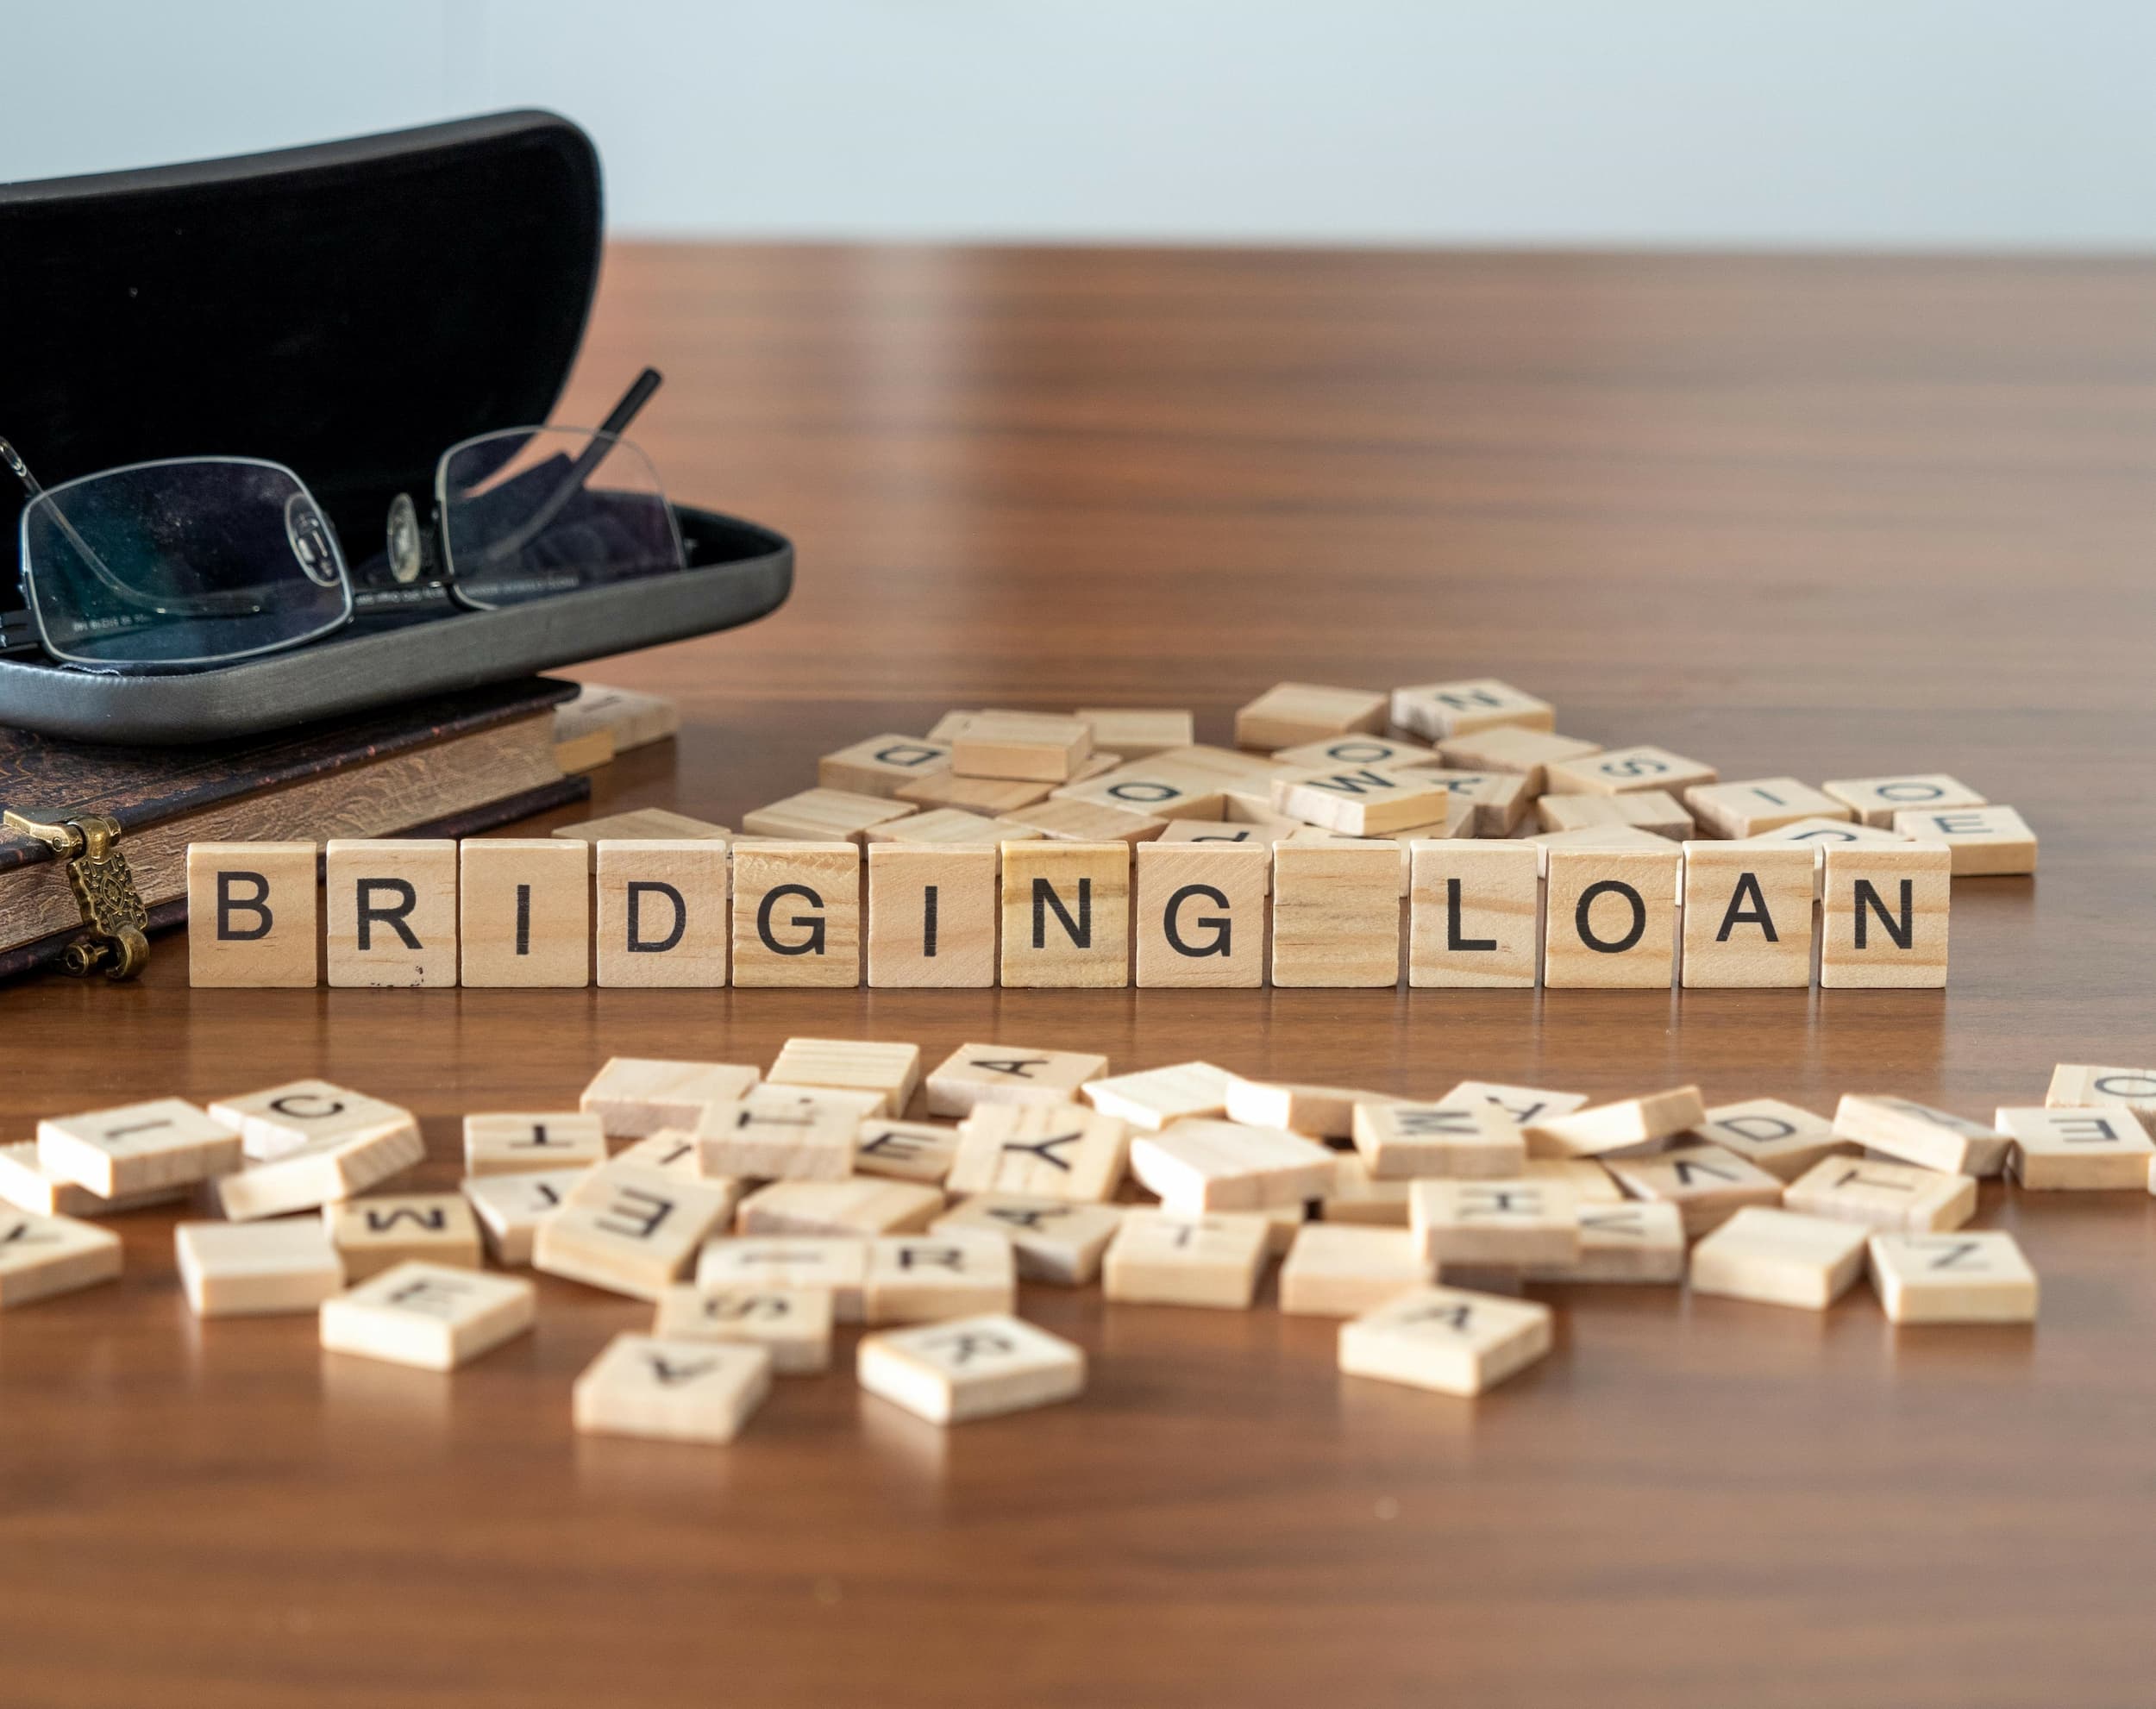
[1511, 748]
[1441, 710]
[513, 1144]
[233, 1270]
[636, 1096]
[1525, 1105]
[1032, 747]
[1618, 770]
[1041, 1150]
[1510, 1223]
[1916, 1133]
[252, 914]
[1361, 749]
[392, 911]
[643, 825]
[1163, 790]
[1292, 712]
[797, 914]
[779, 1133]
[1708, 1184]
[824, 816]
[1202, 913]
[1617, 1127]
[27, 1184]
[1066, 914]
[975, 1074]
[1137, 733]
[1781, 1138]
[971, 1367]
[837, 1265]
[1360, 800]
[1466, 1138]
[2078, 1084]
[1882, 917]
[1965, 1278]
[1155, 1096]
[1875, 801]
[794, 1326]
[932, 912]
[138, 1147]
[920, 1278]
[40, 1256]
[301, 1114]
[1881, 1195]
[1757, 805]
[1472, 909]
[1336, 1270]
[332, 1167]
[1779, 1258]
[1447, 1339]
[1612, 917]
[861, 1206]
[671, 1389]
[890, 1069]
[1747, 915]
[1984, 842]
[2077, 1149]
[428, 1316]
[630, 1228]
[907, 1151]
[663, 920]
[883, 765]
[1196, 1166]
[1654, 810]
[1634, 1241]
[1086, 821]
[372, 1235]
[1356, 1197]
[1051, 1240]
[1336, 914]
[1158, 1258]
[943, 827]
[524, 911]
[988, 796]
[510, 1208]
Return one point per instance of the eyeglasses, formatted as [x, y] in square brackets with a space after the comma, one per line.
[192, 562]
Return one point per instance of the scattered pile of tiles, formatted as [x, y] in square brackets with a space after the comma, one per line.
[757, 1210]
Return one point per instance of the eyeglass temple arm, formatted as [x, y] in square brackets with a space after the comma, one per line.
[618, 420]
[13, 459]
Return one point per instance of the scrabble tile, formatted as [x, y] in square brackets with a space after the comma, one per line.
[1619, 1126]
[1639, 1241]
[1066, 914]
[1590, 1182]
[1339, 1270]
[633, 719]
[793, 1325]
[1882, 916]
[779, 1133]
[1155, 1096]
[373, 1235]
[1081, 821]
[1967, 1278]
[1336, 914]
[40, 1256]
[921, 1277]
[1357, 1197]
[251, 909]
[664, 922]
[630, 1228]
[677, 1151]
[942, 828]
[1444, 710]
[1283, 1222]
[427, 1315]
[1201, 910]
[334, 1167]
[657, 825]
[824, 816]
[932, 913]
[1882, 1195]
[1654, 810]
[971, 1367]
[1225, 763]
[300, 1114]
[2078, 1084]
[1473, 911]
[1500, 801]
[1359, 750]
[988, 796]
[1467, 1138]
[1137, 733]
[524, 911]
[1875, 801]
[392, 909]
[1252, 834]
[510, 1208]
[27, 1184]
[1758, 805]
[671, 1389]
[1525, 1105]
[1616, 771]
[1292, 712]
[1007, 1073]
[1984, 842]
[1818, 835]
[861, 1205]
[1051, 1240]
[1446, 1339]
[2077, 1150]
[1512, 748]
[797, 914]
[1747, 915]
[1159, 791]
[1042, 1151]
[1360, 800]
[138, 1147]
[1611, 918]
[888, 1068]
[1196, 1165]
[1031, 746]
[836, 1264]
[883, 765]
[910, 1151]
[1706, 1183]
[1915, 1133]
[1514, 1222]
[636, 1095]
[502, 1144]
[1779, 1258]
[1620, 838]
[946, 729]
[1781, 1138]
[259, 1269]
[1158, 1258]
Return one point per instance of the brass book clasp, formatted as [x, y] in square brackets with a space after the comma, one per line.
[113, 916]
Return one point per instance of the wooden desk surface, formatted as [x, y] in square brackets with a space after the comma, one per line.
[1826, 518]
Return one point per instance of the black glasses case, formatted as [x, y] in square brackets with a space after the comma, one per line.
[351, 310]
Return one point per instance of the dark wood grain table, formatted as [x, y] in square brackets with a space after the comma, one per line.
[1819, 517]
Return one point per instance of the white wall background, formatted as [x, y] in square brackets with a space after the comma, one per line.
[1777, 122]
